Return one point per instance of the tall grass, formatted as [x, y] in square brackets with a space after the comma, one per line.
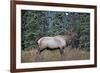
[48, 55]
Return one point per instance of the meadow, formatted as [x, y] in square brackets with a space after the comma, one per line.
[48, 55]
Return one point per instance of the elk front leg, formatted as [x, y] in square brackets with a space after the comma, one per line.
[62, 53]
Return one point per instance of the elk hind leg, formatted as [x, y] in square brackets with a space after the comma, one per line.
[38, 54]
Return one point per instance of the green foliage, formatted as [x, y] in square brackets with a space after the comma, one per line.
[37, 24]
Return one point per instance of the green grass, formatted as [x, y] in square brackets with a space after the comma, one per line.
[47, 55]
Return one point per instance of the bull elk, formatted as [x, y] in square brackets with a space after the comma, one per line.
[56, 42]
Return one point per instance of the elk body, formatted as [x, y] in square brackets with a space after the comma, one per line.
[51, 43]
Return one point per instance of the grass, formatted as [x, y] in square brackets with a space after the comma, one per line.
[47, 55]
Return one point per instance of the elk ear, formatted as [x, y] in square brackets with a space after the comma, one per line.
[65, 31]
[68, 32]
